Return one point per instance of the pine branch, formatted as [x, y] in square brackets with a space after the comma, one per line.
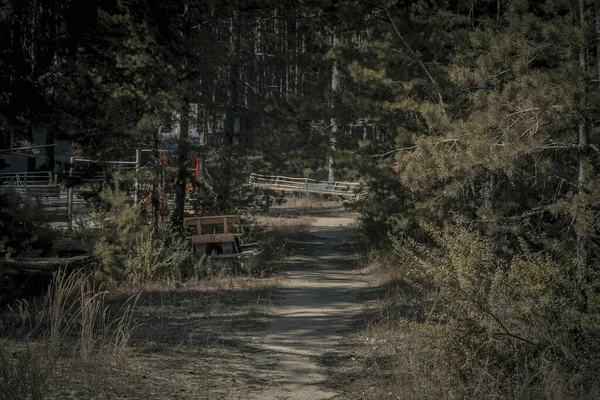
[533, 211]
[391, 152]
[394, 151]
[486, 310]
[453, 141]
[416, 58]
[569, 146]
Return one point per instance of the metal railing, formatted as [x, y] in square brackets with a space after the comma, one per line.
[36, 184]
[306, 185]
[23, 179]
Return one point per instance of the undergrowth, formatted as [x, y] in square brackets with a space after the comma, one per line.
[71, 324]
[455, 321]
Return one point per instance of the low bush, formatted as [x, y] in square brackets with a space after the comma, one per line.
[23, 230]
[134, 248]
[503, 327]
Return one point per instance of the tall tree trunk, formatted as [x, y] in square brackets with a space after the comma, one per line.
[182, 167]
[231, 112]
[155, 200]
[597, 26]
[184, 129]
[583, 161]
[335, 87]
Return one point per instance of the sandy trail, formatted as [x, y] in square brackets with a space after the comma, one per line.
[312, 309]
[237, 337]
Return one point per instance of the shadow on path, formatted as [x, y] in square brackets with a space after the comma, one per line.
[316, 306]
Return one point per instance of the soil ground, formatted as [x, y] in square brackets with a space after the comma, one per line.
[313, 307]
[281, 341]
[281, 336]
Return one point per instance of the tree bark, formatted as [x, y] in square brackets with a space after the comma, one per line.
[182, 168]
[224, 192]
[597, 26]
[335, 88]
[583, 162]
[155, 199]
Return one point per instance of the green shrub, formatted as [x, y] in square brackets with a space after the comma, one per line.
[132, 247]
[510, 327]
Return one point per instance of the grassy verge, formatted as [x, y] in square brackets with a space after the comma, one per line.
[44, 341]
[406, 347]
[391, 353]
[306, 206]
[148, 339]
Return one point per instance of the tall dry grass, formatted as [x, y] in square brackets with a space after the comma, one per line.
[26, 371]
[306, 206]
[71, 324]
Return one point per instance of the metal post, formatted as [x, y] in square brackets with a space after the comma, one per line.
[70, 194]
[138, 158]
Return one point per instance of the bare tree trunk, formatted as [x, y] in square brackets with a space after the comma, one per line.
[297, 44]
[335, 87]
[498, 9]
[155, 201]
[182, 168]
[597, 25]
[583, 162]
[489, 192]
[184, 134]
[224, 194]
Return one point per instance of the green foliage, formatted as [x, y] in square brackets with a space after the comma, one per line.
[490, 131]
[241, 199]
[130, 248]
[23, 233]
[479, 114]
[274, 245]
[224, 188]
[514, 320]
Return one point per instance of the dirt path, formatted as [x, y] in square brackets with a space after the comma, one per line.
[235, 337]
[312, 309]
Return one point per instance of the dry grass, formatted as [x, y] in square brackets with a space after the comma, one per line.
[392, 357]
[191, 338]
[400, 354]
[396, 361]
[276, 232]
[284, 229]
[25, 370]
[292, 220]
[306, 206]
[46, 340]
[81, 343]
[151, 340]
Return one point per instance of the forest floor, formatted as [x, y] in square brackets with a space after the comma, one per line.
[289, 334]
[313, 307]
[276, 337]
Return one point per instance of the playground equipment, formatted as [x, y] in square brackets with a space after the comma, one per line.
[219, 238]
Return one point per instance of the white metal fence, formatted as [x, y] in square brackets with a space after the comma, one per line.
[307, 185]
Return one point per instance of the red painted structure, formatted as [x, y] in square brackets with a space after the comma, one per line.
[195, 162]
